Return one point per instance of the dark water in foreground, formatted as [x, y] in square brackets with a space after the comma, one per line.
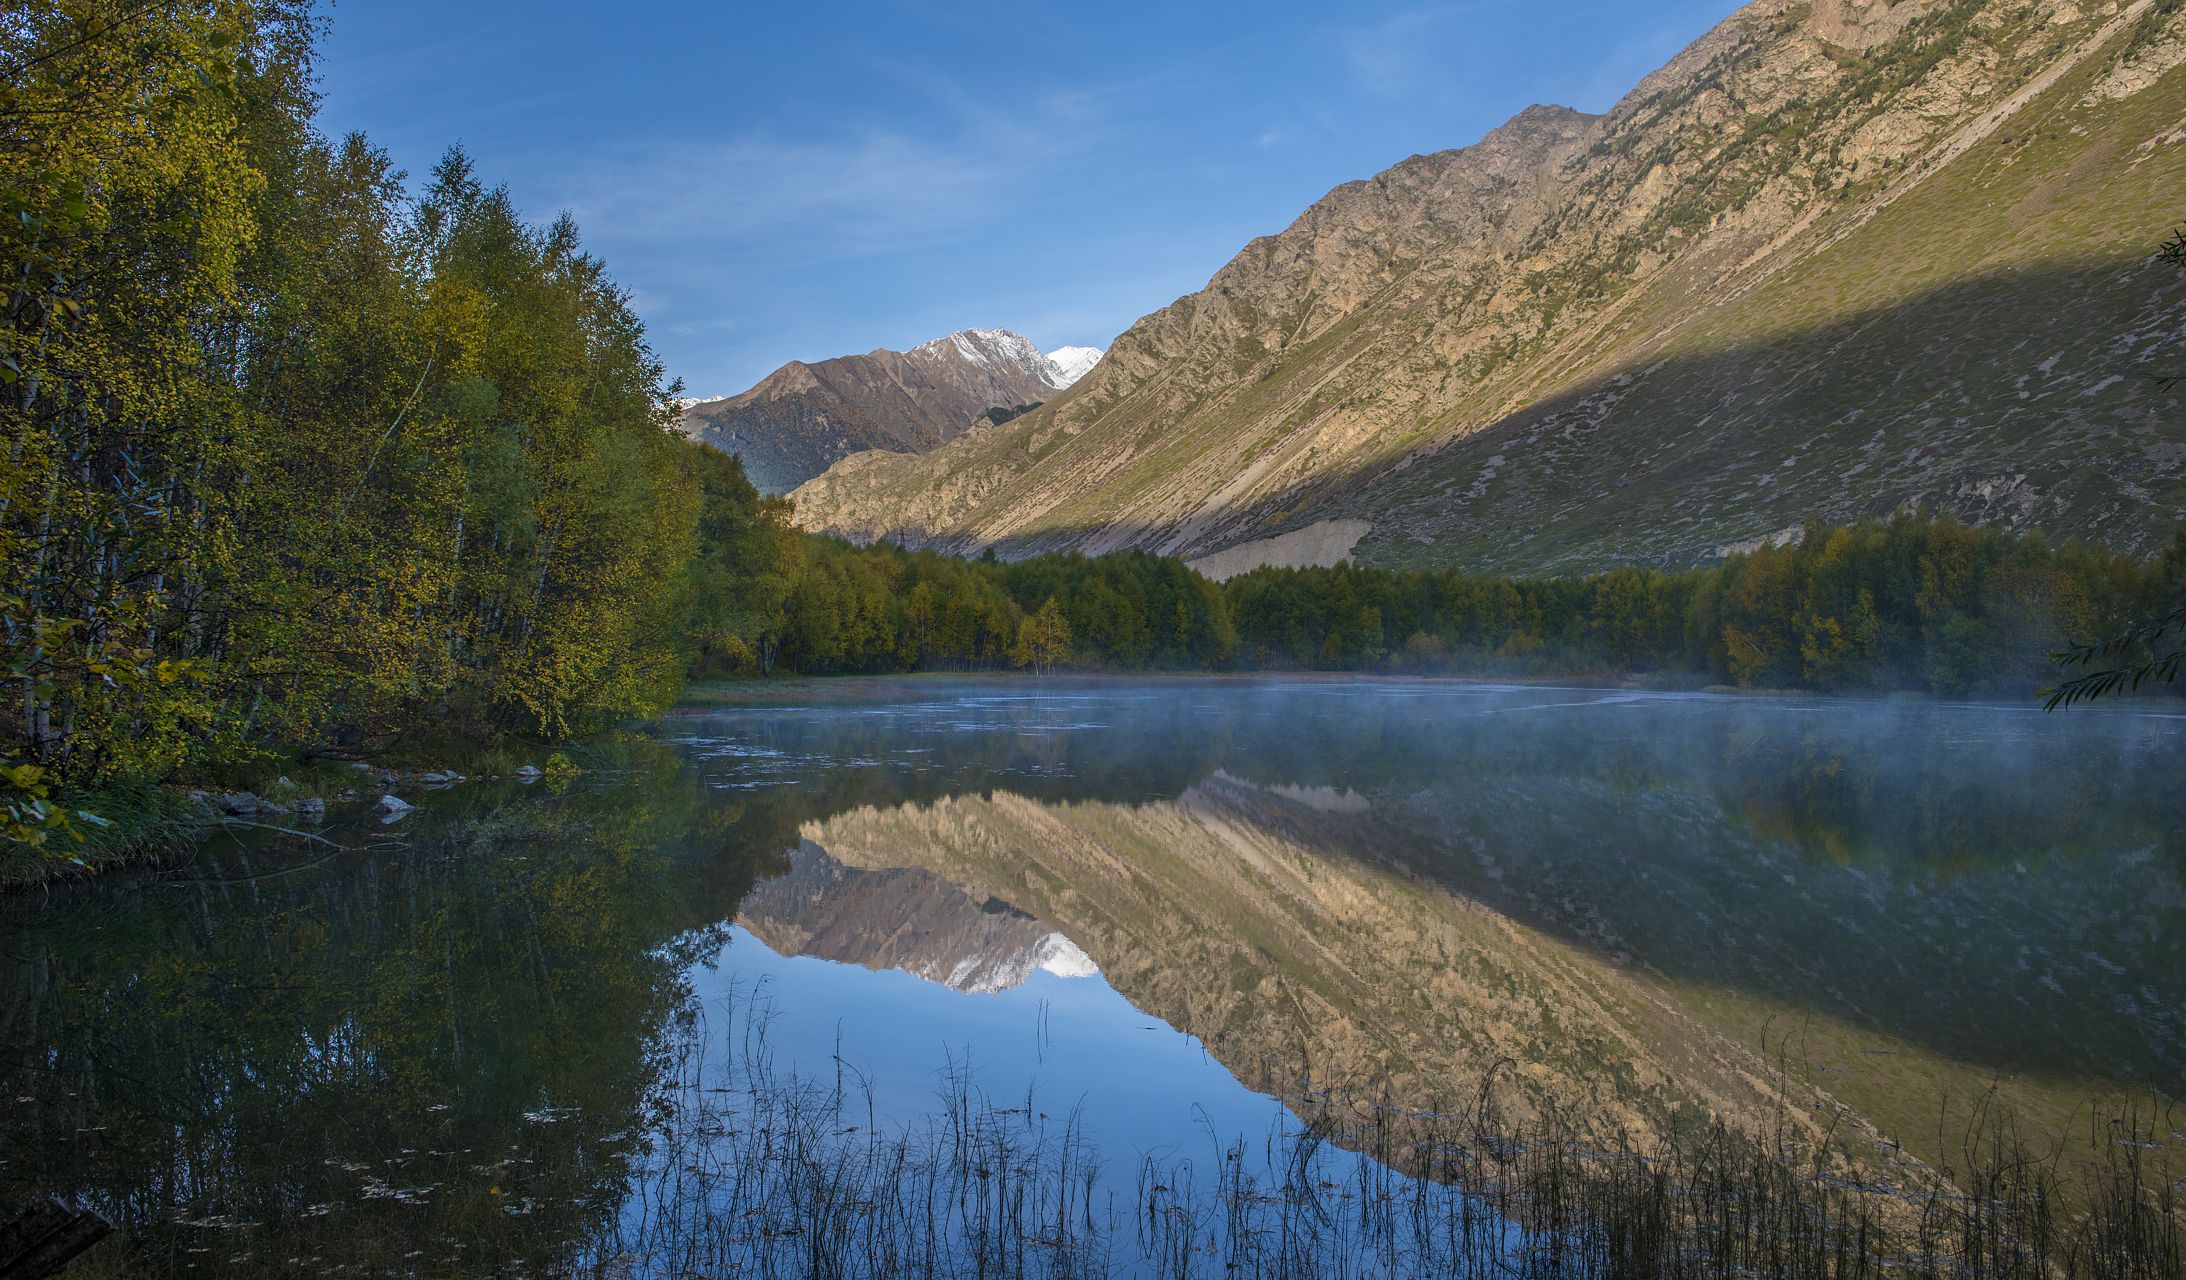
[1151, 917]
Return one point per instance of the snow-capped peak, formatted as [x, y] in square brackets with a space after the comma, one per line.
[994, 349]
[998, 349]
[1068, 364]
[988, 972]
[1065, 959]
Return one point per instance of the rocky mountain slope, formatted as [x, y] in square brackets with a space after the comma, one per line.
[803, 417]
[903, 918]
[1838, 258]
[1414, 933]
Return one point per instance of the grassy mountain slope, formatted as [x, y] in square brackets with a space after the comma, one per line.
[1836, 259]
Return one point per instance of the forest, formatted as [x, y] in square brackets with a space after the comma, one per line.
[1915, 603]
[298, 453]
[306, 459]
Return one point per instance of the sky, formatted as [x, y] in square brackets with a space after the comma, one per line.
[797, 181]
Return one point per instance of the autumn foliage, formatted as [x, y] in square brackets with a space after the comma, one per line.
[294, 452]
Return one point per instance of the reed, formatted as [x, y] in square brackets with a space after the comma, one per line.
[760, 1172]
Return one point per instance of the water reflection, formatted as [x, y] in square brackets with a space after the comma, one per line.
[1649, 903]
[901, 918]
[1625, 908]
[389, 1062]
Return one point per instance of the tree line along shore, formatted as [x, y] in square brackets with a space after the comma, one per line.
[1915, 603]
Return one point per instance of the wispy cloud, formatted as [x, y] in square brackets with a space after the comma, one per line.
[1408, 53]
[865, 193]
[851, 195]
[371, 75]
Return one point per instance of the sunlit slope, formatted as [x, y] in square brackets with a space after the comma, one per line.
[1787, 277]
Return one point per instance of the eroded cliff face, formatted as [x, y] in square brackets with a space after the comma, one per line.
[1863, 24]
[1835, 259]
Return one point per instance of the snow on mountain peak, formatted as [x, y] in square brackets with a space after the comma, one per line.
[993, 349]
[999, 348]
[1065, 959]
[1071, 363]
[987, 972]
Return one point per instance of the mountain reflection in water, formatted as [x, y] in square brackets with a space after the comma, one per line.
[1157, 898]
[901, 918]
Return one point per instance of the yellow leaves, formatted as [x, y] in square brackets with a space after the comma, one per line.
[1749, 657]
[1043, 639]
[419, 474]
[28, 816]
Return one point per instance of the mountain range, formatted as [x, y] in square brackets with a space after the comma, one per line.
[1839, 258]
[803, 417]
[903, 918]
[1426, 927]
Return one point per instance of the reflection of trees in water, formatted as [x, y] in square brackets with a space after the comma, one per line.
[272, 1050]
[2074, 967]
[1902, 870]
[1913, 787]
[1916, 786]
[1992, 898]
[417, 1060]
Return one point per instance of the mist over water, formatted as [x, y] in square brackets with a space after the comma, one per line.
[1988, 886]
[1172, 913]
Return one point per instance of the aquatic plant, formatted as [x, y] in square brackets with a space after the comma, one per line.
[761, 1172]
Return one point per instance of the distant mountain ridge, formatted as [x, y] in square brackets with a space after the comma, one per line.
[803, 417]
[1839, 258]
[904, 918]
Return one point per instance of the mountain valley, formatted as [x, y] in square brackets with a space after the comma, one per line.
[1835, 260]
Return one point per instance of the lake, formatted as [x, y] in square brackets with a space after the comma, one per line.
[1139, 939]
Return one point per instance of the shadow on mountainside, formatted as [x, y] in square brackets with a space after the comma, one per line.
[2030, 399]
[1730, 851]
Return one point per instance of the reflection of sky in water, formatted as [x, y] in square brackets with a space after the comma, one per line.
[1143, 1087]
[1949, 897]
[1691, 875]
[1824, 850]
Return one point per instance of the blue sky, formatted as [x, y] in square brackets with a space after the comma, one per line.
[796, 181]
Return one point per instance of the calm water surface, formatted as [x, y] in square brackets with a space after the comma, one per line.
[1169, 914]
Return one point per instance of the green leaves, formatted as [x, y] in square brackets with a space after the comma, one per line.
[28, 816]
[302, 461]
[2140, 649]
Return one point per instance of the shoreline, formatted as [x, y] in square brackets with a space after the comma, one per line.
[166, 831]
[786, 691]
